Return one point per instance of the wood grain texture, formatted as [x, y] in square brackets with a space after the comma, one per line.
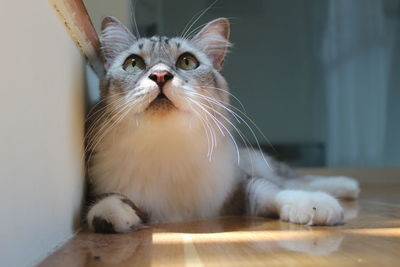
[370, 237]
[79, 26]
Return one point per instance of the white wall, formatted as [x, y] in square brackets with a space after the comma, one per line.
[41, 132]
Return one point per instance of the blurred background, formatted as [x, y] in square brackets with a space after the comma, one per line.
[319, 78]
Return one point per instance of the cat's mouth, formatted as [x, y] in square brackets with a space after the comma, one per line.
[161, 103]
[161, 95]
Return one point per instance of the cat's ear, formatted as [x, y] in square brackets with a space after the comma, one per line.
[214, 40]
[115, 38]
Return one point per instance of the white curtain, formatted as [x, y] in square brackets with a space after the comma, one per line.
[357, 52]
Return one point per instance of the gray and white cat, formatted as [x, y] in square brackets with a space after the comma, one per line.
[162, 148]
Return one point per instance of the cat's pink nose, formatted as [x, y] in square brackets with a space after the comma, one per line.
[161, 77]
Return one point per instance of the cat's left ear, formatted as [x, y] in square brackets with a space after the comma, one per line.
[115, 38]
[214, 40]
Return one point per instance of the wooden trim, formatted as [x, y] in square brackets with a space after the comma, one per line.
[80, 27]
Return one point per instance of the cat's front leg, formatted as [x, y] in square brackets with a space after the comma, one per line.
[295, 206]
[114, 213]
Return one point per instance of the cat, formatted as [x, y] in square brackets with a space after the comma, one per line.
[161, 145]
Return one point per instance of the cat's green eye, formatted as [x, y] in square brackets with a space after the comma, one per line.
[187, 62]
[133, 63]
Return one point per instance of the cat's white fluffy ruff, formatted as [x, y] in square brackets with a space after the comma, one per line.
[162, 166]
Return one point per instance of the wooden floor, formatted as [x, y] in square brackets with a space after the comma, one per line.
[370, 237]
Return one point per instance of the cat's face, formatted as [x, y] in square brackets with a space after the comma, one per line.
[158, 76]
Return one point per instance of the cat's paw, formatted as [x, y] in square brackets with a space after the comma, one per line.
[311, 208]
[114, 214]
[341, 186]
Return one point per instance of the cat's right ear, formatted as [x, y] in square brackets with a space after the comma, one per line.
[115, 38]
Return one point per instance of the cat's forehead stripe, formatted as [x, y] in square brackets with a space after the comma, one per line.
[155, 44]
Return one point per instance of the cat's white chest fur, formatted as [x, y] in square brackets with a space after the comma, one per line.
[163, 167]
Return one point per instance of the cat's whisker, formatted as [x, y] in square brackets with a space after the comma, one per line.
[225, 91]
[253, 123]
[247, 125]
[90, 133]
[216, 121]
[205, 130]
[95, 140]
[118, 105]
[116, 98]
[204, 108]
[188, 23]
[110, 123]
[214, 116]
[211, 128]
[113, 106]
[92, 113]
[100, 118]
[213, 136]
[244, 114]
[198, 28]
[133, 16]
[243, 137]
[197, 19]
[200, 115]
[208, 99]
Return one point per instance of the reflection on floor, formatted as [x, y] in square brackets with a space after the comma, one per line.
[371, 236]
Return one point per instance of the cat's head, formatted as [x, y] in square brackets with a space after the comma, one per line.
[160, 75]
